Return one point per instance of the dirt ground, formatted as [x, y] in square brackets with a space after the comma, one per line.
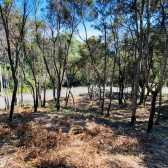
[78, 136]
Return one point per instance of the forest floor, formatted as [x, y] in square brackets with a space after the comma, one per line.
[80, 137]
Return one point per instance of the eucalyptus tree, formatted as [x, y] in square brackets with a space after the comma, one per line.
[34, 63]
[140, 12]
[100, 13]
[63, 17]
[14, 33]
[73, 74]
[162, 20]
[137, 8]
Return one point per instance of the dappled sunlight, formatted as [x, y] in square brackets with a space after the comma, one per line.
[84, 138]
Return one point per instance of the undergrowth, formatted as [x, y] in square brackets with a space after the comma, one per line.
[48, 139]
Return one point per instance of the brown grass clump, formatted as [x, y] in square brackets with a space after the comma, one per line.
[5, 133]
[91, 146]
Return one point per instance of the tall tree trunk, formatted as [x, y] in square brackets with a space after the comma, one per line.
[67, 96]
[152, 112]
[39, 90]
[13, 99]
[121, 88]
[136, 81]
[22, 103]
[162, 72]
[137, 70]
[18, 87]
[109, 107]
[54, 98]
[159, 108]
[104, 81]
[142, 95]
[36, 98]
[44, 98]
[58, 97]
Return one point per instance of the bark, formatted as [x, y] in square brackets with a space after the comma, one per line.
[22, 102]
[159, 108]
[58, 97]
[39, 90]
[73, 101]
[104, 81]
[44, 99]
[162, 72]
[142, 95]
[54, 98]
[19, 88]
[13, 99]
[121, 89]
[67, 96]
[100, 98]
[44, 89]
[36, 98]
[109, 107]
[152, 112]
[133, 119]
[5, 20]
[137, 71]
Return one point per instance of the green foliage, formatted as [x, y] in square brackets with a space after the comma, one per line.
[7, 2]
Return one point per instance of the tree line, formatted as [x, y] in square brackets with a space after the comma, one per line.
[131, 50]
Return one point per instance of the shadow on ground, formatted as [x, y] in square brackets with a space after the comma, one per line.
[111, 137]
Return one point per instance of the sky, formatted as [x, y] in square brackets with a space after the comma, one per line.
[90, 31]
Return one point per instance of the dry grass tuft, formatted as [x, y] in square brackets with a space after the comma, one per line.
[5, 133]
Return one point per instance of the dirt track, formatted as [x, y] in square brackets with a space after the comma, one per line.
[49, 94]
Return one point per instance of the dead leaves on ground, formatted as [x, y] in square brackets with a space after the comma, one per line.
[39, 140]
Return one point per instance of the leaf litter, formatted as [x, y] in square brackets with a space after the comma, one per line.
[83, 138]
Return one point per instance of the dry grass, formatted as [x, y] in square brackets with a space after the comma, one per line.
[50, 139]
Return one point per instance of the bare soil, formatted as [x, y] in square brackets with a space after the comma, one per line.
[80, 137]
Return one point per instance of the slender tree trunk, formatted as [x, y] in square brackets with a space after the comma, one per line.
[13, 98]
[137, 70]
[162, 72]
[44, 99]
[133, 118]
[22, 103]
[100, 93]
[142, 95]
[58, 97]
[18, 87]
[39, 90]
[36, 98]
[73, 101]
[54, 98]
[67, 97]
[121, 88]
[8, 93]
[104, 82]
[159, 108]
[152, 112]
[111, 91]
